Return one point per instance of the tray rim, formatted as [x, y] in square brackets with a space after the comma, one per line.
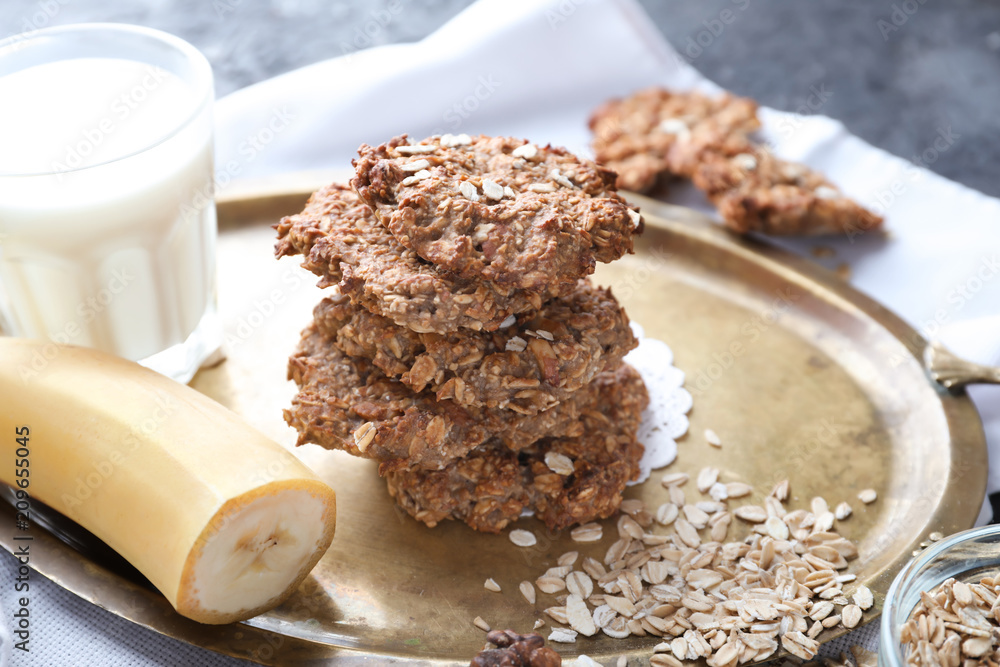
[75, 573]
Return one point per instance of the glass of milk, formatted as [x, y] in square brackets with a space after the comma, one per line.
[107, 217]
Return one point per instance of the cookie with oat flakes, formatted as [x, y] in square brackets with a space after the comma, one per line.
[343, 243]
[755, 191]
[347, 403]
[534, 362]
[656, 132]
[497, 209]
[564, 480]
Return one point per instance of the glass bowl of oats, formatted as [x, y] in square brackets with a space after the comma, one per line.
[943, 609]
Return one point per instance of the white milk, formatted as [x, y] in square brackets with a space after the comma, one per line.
[116, 250]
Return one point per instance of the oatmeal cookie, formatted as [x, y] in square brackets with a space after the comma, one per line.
[497, 209]
[755, 191]
[565, 480]
[344, 244]
[347, 403]
[528, 366]
[656, 133]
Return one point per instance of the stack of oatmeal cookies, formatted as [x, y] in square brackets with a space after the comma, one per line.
[462, 345]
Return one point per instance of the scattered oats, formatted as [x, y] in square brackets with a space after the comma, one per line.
[826, 192]
[542, 187]
[584, 660]
[821, 610]
[799, 645]
[558, 463]
[719, 492]
[415, 149]
[710, 506]
[559, 178]
[538, 623]
[469, 191]
[712, 438]
[738, 489]
[364, 435]
[588, 532]
[776, 528]
[823, 522]
[831, 621]
[729, 603]
[578, 583]
[745, 161]
[562, 636]
[935, 536]
[492, 585]
[720, 527]
[780, 490]
[527, 591]
[523, 538]
[850, 616]
[568, 558]
[863, 597]
[542, 333]
[509, 191]
[516, 344]
[509, 321]
[819, 506]
[527, 151]
[687, 533]
[579, 616]
[843, 511]
[674, 478]
[492, 189]
[452, 140]
[417, 177]
[635, 217]
[697, 517]
[664, 660]
[550, 585]
[629, 528]
[481, 624]
[868, 496]
[622, 661]
[666, 514]
[604, 615]
[707, 477]
[620, 605]
[415, 165]
[751, 513]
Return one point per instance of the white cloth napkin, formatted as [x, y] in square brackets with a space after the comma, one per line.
[536, 69]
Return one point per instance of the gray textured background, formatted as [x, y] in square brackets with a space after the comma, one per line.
[900, 71]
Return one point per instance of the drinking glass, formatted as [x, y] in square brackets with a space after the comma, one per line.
[107, 216]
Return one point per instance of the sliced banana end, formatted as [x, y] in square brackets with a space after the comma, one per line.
[256, 551]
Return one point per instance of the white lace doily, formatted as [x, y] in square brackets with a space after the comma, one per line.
[665, 418]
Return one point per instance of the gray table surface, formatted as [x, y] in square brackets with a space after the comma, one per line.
[896, 72]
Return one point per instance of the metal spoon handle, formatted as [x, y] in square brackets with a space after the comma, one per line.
[952, 372]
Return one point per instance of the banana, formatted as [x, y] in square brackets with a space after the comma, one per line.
[223, 521]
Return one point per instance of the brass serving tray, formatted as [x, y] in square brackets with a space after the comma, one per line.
[802, 377]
